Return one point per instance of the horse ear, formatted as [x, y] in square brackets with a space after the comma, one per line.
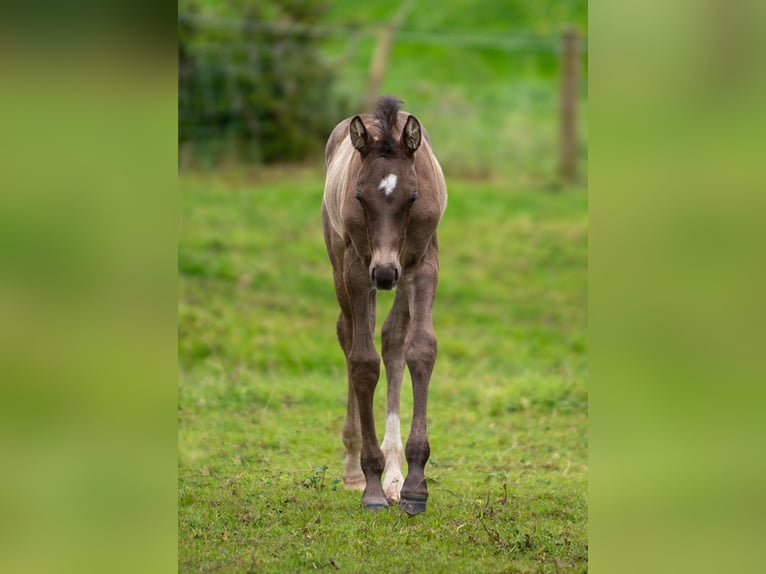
[411, 134]
[358, 134]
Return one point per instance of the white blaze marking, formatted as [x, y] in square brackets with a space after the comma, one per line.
[388, 183]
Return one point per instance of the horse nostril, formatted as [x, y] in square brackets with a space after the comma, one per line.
[372, 274]
[396, 274]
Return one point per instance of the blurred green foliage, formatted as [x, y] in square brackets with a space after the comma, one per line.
[253, 87]
[87, 277]
[482, 76]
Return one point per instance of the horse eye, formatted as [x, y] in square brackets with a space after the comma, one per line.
[359, 197]
[412, 198]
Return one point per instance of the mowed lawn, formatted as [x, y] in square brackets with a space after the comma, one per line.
[262, 387]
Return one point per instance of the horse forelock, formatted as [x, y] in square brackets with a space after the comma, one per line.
[387, 112]
[387, 115]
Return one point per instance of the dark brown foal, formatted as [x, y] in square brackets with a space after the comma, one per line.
[384, 197]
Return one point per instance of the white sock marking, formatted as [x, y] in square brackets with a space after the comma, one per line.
[394, 454]
[393, 435]
[388, 183]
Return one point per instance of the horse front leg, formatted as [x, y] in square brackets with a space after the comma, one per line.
[363, 363]
[420, 355]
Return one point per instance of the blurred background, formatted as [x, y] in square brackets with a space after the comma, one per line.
[90, 229]
[501, 86]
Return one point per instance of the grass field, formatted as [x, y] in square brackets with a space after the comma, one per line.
[262, 387]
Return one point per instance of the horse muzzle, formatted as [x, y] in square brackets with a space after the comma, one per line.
[385, 276]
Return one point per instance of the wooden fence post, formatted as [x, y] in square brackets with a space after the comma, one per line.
[570, 81]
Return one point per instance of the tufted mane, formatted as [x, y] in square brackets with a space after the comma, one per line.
[387, 114]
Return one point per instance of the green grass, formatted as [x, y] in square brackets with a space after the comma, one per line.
[262, 388]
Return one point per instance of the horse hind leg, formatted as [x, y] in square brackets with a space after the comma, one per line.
[353, 477]
[351, 435]
[393, 335]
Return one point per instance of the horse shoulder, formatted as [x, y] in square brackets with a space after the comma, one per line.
[338, 134]
[431, 178]
[340, 167]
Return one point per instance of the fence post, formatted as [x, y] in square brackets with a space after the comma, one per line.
[570, 80]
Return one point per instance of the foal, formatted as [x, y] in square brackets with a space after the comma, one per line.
[383, 199]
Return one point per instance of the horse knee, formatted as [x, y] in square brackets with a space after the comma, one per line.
[421, 353]
[364, 370]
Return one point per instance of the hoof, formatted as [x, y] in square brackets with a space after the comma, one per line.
[392, 495]
[413, 504]
[374, 502]
[392, 488]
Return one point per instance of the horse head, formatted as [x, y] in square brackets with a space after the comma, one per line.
[386, 190]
